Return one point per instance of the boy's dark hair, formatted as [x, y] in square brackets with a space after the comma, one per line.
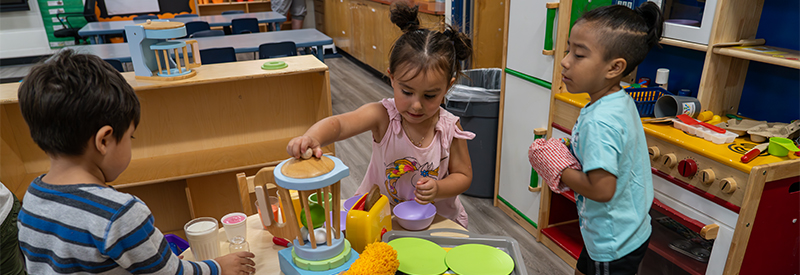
[66, 99]
[627, 33]
[423, 49]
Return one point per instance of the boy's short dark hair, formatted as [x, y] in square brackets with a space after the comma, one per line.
[66, 99]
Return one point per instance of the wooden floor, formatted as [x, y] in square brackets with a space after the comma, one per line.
[351, 87]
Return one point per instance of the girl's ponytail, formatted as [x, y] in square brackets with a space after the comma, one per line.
[405, 17]
[654, 20]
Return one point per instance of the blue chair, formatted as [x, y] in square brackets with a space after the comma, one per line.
[233, 12]
[176, 243]
[187, 15]
[217, 55]
[145, 17]
[207, 33]
[116, 64]
[244, 25]
[196, 26]
[278, 49]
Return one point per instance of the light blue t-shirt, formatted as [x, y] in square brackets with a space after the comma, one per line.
[609, 136]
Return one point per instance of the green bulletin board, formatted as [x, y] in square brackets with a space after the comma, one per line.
[49, 11]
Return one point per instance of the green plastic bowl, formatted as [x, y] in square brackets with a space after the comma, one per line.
[780, 147]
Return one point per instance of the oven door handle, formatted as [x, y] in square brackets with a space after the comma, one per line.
[710, 231]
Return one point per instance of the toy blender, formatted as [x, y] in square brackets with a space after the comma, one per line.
[328, 253]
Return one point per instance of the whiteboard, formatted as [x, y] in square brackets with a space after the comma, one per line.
[116, 7]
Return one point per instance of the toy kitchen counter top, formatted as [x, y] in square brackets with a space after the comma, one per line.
[266, 251]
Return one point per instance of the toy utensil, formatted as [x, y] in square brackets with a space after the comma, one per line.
[734, 116]
[281, 242]
[753, 153]
[372, 197]
[691, 121]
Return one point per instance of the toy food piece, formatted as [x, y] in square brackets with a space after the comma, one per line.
[320, 236]
[317, 215]
[372, 197]
[705, 116]
[714, 120]
[378, 258]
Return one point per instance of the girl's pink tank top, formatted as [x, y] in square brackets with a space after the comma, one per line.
[397, 164]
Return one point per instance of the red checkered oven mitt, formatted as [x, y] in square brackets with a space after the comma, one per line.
[549, 158]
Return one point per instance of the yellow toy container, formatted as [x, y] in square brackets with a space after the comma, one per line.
[364, 227]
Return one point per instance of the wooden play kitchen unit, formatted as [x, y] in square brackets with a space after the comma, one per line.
[748, 210]
[194, 135]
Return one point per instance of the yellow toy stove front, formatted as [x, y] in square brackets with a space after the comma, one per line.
[366, 227]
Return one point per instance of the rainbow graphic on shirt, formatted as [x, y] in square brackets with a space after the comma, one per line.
[408, 165]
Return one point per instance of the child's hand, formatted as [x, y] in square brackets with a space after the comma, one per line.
[427, 188]
[297, 146]
[549, 158]
[237, 263]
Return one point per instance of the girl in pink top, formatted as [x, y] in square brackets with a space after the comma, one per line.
[419, 150]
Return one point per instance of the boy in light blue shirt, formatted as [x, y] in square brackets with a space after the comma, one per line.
[614, 189]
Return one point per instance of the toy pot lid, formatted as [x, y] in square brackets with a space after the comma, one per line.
[310, 174]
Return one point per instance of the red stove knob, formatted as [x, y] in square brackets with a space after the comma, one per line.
[687, 167]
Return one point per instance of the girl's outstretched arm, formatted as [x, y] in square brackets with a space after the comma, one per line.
[456, 182]
[369, 117]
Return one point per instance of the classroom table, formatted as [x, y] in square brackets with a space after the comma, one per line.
[96, 29]
[242, 43]
[266, 252]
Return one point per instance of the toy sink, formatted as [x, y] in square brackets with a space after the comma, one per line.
[366, 227]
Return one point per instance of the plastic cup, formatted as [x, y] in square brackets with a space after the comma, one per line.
[670, 105]
[313, 198]
[202, 236]
[235, 225]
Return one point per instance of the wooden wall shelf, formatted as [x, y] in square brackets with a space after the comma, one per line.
[780, 59]
[684, 44]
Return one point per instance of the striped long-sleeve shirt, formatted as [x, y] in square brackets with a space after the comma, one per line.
[90, 229]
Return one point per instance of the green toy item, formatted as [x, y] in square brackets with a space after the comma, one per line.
[274, 65]
[479, 259]
[317, 215]
[780, 147]
[419, 256]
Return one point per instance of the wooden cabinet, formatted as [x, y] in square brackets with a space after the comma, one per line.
[194, 135]
[319, 15]
[212, 8]
[362, 29]
[338, 22]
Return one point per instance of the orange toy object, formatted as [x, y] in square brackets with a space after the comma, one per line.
[378, 258]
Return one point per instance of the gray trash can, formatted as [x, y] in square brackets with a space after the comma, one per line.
[476, 99]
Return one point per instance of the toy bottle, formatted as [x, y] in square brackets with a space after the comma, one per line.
[537, 134]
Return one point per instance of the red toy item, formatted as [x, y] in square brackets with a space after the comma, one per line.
[753, 153]
[281, 242]
[549, 158]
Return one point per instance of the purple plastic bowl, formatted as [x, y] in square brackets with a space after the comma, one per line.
[350, 202]
[414, 216]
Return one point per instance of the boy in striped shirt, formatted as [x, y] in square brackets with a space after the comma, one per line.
[83, 113]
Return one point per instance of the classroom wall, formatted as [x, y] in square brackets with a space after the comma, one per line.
[22, 33]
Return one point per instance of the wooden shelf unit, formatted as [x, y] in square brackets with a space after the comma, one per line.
[194, 134]
[684, 44]
[781, 60]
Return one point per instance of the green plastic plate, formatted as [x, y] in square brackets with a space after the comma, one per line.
[274, 65]
[478, 259]
[419, 256]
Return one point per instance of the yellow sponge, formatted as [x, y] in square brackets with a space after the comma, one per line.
[378, 258]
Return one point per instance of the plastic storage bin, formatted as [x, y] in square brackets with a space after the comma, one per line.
[705, 133]
[645, 99]
[476, 99]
